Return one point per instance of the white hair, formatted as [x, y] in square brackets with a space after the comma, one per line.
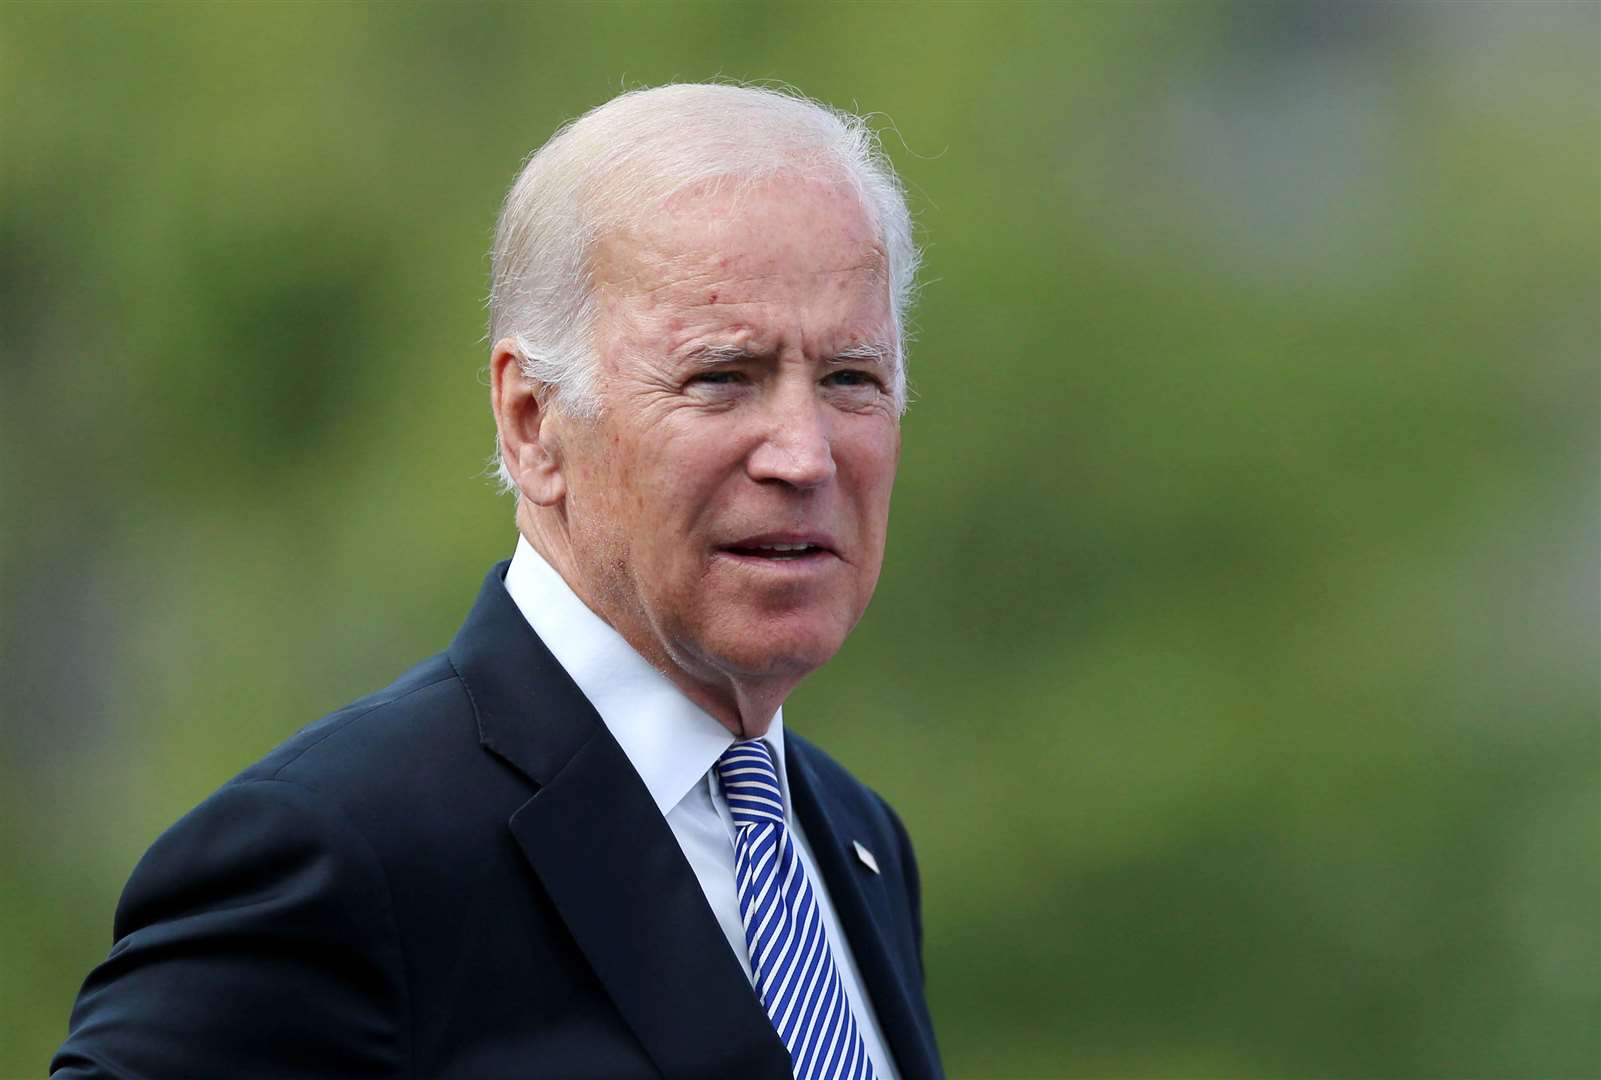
[601, 172]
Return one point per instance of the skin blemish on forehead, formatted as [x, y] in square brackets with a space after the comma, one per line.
[712, 299]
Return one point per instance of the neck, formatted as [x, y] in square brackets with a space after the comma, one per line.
[745, 706]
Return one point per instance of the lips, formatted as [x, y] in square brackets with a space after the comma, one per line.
[782, 547]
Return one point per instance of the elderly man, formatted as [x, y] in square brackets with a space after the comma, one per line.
[580, 843]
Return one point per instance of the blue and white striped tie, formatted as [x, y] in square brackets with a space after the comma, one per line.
[789, 953]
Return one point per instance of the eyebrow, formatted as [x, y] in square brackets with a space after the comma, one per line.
[713, 355]
[870, 351]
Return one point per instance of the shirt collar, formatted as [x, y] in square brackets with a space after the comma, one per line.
[671, 741]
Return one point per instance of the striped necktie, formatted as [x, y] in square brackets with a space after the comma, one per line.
[789, 954]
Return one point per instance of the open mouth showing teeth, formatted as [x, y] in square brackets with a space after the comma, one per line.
[778, 551]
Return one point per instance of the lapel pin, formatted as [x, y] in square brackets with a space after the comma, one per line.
[866, 856]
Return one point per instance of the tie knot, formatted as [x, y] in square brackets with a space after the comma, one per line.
[750, 784]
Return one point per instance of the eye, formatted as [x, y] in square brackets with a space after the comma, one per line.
[851, 379]
[717, 378]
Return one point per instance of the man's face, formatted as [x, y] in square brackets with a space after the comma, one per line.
[727, 510]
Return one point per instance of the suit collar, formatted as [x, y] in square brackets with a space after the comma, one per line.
[670, 741]
[529, 712]
[607, 859]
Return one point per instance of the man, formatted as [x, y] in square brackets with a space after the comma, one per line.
[579, 842]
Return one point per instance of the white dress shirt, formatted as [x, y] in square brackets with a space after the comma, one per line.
[673, 744]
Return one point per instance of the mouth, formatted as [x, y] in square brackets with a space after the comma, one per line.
[780, 549]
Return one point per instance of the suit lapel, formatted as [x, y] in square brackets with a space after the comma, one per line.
[607, 859]
[864, 911]
[612, 868]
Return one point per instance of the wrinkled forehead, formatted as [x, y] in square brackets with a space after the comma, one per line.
[781, 225]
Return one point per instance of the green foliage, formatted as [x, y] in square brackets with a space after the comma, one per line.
[1235, 665]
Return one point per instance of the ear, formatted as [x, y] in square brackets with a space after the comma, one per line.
[528, 444]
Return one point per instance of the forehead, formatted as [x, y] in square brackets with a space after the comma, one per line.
[798, 250]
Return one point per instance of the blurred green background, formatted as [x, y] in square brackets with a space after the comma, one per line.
[1235, 665]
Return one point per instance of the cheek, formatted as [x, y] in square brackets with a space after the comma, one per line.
[688, 472]
[665, 493]
[872, 470]
[600, 501]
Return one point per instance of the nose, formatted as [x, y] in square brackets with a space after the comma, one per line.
[794, 448]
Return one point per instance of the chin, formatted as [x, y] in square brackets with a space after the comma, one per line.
[777, 651]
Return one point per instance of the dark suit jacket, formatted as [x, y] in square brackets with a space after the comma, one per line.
[462, 875]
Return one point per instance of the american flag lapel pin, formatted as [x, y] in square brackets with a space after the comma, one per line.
[866, 856]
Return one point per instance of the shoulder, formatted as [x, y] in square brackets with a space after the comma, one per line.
[348, 782]
[267, 899]
[404, 769]
[292, 892]
[840, 786]
[427, 703]
[849, 800]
